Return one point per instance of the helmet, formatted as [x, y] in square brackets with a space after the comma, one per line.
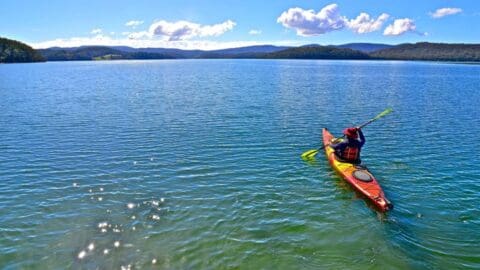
[351, 132]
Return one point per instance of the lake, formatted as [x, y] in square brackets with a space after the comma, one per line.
[195, 164]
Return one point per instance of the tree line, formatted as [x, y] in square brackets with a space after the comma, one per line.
[15, 51]
[12, 51]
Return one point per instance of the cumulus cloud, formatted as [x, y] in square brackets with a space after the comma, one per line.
[364, 24]
[401, 26]
[442, 12]
[96, 31]
[309, 23]
[182, 30]
[254, 32]
[133, 23]
[159, 34]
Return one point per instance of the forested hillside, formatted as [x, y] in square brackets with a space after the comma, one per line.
[431, 52]
[12, 51]
[318, 52]
[96, 53]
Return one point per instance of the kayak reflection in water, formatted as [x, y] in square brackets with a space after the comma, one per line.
[348, 149]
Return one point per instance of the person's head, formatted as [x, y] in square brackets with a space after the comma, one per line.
[351, 133]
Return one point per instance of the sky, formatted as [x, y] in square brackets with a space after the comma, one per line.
[208, 25]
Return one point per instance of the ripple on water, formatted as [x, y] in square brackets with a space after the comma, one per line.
[118, 165]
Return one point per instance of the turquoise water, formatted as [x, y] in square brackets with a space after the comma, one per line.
[195, 164]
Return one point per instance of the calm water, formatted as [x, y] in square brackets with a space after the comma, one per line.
[195, 164]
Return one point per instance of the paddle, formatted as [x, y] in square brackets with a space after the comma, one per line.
[311, 153]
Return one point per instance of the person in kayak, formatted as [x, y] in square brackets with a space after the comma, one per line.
[348, 150]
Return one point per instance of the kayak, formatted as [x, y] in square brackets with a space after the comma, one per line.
[358, 176]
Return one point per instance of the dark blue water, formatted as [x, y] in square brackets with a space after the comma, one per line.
[195, 164]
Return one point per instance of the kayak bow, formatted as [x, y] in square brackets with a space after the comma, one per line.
[358, 176]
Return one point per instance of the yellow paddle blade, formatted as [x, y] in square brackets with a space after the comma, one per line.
[382, 114]
[309, 154]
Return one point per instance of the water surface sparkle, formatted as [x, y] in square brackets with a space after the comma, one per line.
[196, 164]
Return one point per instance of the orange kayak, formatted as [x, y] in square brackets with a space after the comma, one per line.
[358, 176]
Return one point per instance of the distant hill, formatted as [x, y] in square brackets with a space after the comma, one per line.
[242, 52]
[231, 52]
[125, 52]
[250, 50]
[97, 53]
[365, 47]
[172, 53]
[80, 53]
[418, 51]
[430, 52]
[12, 51]
[317, 52]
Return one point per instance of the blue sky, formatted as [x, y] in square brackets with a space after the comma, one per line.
[202, 24]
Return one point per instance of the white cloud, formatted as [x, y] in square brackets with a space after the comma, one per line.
[73, 42]
[442, 12]
[139, 35]
[133, 23]
[96, 31]
[183, 30]
[364, 24]
[254, 32]
[309, 23]
[160, 34]
[401, 26]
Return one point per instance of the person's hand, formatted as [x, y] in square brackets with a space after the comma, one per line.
[336, 140]
[357, 129]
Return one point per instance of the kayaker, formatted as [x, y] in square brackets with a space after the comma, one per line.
[348, 150]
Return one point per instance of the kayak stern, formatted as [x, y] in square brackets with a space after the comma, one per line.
[358, 176]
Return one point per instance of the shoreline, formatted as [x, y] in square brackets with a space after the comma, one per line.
[318, 59]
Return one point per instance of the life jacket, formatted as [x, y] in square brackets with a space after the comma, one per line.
[350, 153]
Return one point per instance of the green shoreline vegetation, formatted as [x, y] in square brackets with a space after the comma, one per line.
[12, 51]
[431, 52]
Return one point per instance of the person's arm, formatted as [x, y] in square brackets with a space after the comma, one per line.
[339, 146]
[362, 138]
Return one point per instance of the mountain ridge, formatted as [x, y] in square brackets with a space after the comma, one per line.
[425, 51]
[316, 51]
[421, 51]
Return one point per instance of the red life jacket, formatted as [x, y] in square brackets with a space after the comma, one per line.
[351, 153]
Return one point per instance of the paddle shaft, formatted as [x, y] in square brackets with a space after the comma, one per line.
[323, 147]
[367, 123]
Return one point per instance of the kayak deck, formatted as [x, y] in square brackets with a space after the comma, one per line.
[358, 176]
